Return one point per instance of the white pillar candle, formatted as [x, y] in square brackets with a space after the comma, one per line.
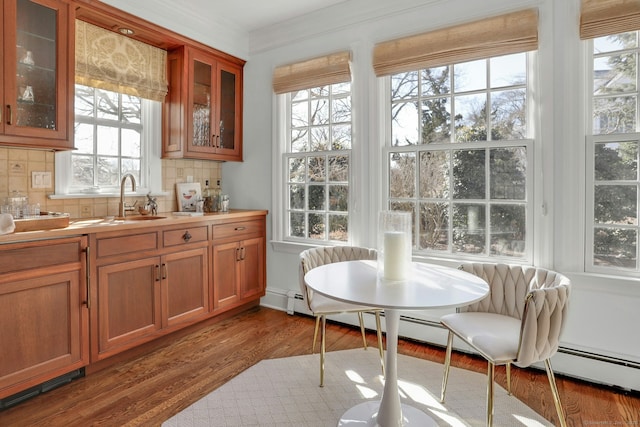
[395, 255]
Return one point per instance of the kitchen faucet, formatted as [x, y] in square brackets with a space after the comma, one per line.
[121, 208]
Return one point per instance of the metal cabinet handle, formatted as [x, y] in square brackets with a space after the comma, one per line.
[240, 228]
[187, 236]
[87, 254]
[242, 252]
[164, 271]
[157, 273]
[9, 115]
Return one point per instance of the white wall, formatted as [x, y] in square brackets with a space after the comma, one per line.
[604, 310]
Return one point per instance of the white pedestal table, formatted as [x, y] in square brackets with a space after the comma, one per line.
[427, 286]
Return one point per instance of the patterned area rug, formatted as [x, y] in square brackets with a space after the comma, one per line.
[285, 393]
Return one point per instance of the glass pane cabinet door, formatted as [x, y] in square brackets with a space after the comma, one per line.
[36, 46]
[37, 78]
[227, 110]
[201, 106]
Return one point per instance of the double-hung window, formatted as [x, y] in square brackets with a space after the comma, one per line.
[459, 146]
[613, 139]
[612, 39]
[316, 149]
[108, 130]
[318, 158]
[459, 154]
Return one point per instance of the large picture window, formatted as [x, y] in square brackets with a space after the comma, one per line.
[459, 156]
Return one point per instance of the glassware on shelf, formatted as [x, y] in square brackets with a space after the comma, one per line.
[27, 59]
[27, 95]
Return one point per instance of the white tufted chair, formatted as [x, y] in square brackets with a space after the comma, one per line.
[321, 306]
[519, 322]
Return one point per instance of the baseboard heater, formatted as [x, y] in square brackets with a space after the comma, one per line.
[13, 400]
[293, 296]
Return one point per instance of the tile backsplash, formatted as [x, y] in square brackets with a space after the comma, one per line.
[16, 166]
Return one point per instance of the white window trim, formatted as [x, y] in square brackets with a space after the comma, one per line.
[152, 152]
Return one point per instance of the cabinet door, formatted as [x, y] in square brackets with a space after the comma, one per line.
[201, 107]
[43, 332]
[129, 310]
[252, 279]
[37, 84]
[229, 112]
[185, 285]
[225, 274]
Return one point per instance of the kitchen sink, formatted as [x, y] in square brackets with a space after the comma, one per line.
[140, 218]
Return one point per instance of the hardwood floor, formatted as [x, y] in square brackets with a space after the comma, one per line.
[146, 390]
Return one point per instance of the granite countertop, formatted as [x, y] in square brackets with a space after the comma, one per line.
[80, 226]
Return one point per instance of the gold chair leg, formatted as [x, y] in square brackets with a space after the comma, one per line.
[490, 371]
[380, 347]
[362, 331]
[509, 378]
[447, 363]
[322, 348]
[315, 334]
[556, 395]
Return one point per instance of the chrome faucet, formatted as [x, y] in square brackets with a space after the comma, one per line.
[121, 208]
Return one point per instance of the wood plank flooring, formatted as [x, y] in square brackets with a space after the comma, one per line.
[148, 389]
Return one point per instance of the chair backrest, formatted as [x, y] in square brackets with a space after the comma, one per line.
[315, 257]
[537, 296]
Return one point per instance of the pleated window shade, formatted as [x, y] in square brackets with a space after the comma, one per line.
[325, 70]
[605, 17]
[501, 35]
[111, 61]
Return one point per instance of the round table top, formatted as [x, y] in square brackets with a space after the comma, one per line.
[428, 286]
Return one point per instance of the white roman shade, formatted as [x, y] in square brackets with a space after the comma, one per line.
[325, 70]
[111, 61]
[500, 35]
[604, 17]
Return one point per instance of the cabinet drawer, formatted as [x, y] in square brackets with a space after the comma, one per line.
[238, 230]
[30, 255]
[131, 243]
[185, 235]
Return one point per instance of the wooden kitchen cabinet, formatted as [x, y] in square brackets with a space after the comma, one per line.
[37, 74]
[148, 284]
[44, 321]
[203, 110]
[238, 263]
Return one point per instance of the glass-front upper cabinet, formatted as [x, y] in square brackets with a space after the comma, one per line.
[37, 72]
[211, 91]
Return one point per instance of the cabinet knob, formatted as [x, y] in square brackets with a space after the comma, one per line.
[187, 236]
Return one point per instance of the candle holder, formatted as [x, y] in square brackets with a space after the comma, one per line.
[394, 245]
